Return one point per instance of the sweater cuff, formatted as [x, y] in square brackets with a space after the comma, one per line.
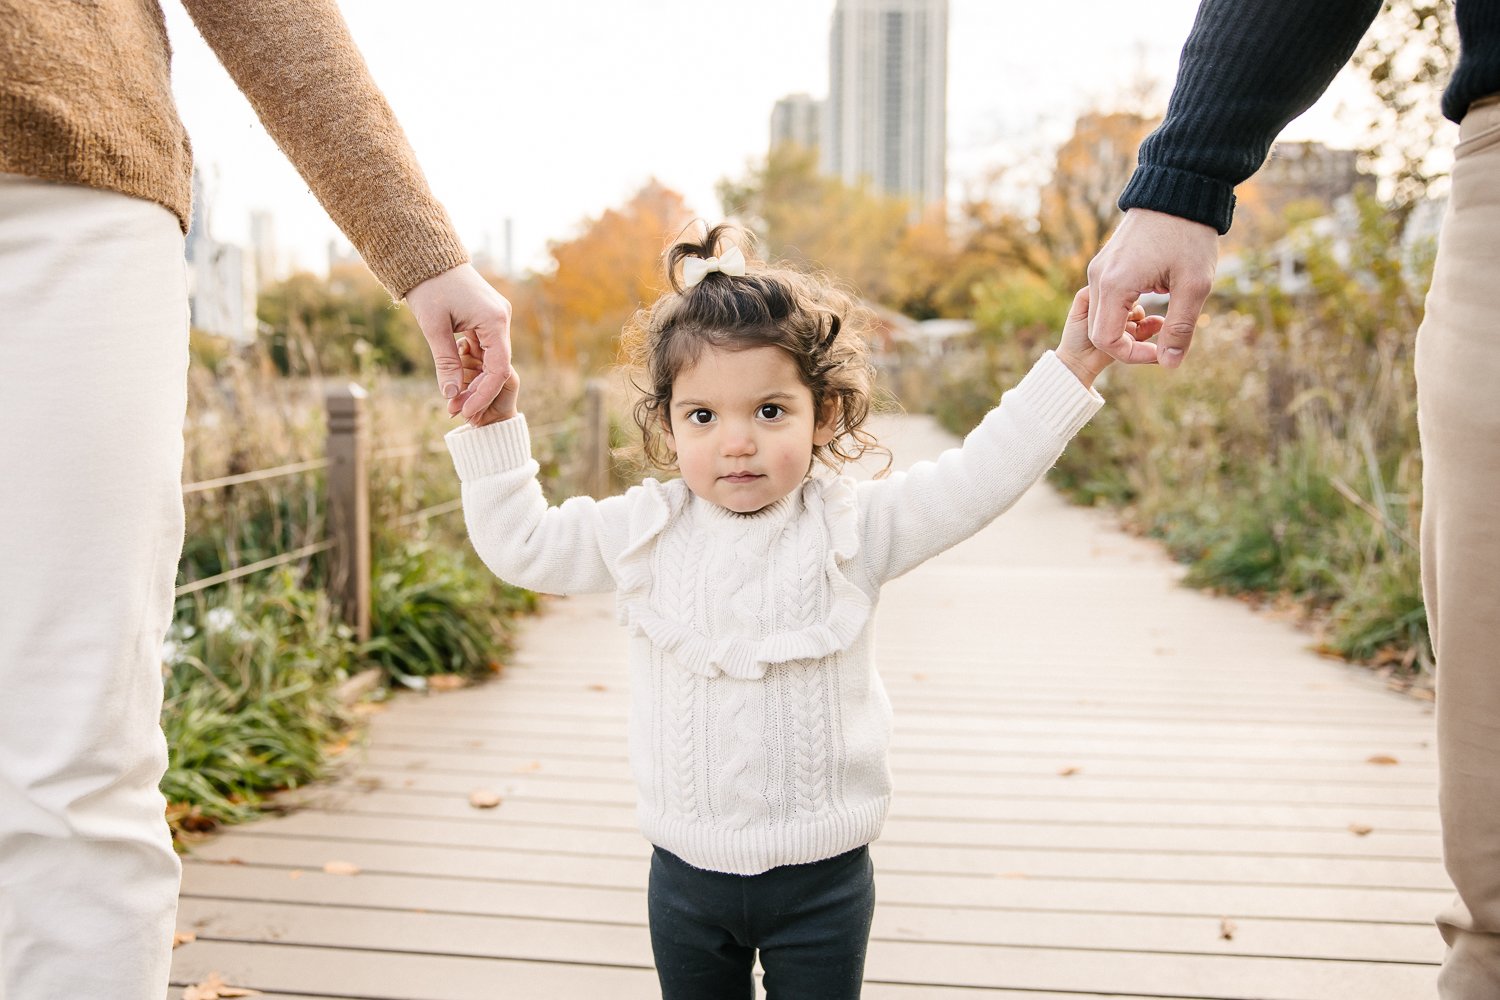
[1177, 192]
[1053, 394]
[483, 451]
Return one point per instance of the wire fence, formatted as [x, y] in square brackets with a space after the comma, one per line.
[347, 462]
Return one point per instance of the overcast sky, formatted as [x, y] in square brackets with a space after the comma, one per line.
[550, 111]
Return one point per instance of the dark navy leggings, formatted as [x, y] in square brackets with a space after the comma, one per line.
[811, 924]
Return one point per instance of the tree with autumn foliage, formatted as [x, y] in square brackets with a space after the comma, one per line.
[880, 246]
[818, 222]
[1054, 239]
[605, 273]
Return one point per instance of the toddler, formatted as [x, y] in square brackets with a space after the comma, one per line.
[758, 728]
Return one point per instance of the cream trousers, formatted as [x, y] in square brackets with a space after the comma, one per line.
[1458, 405]
[93, 389]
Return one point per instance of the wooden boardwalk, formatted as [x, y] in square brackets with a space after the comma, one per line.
[1106, 785]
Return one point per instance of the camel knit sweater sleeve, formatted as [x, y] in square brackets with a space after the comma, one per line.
[759, 730]
[85, 98]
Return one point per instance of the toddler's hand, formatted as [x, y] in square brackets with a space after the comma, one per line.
[471, 357]
[1079, 353]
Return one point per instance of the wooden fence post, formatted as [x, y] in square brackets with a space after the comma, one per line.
[349, 506]
[595, 440]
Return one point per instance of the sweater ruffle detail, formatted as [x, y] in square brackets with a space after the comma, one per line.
[833, 503]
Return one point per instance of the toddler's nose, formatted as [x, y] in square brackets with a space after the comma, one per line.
[738, 441]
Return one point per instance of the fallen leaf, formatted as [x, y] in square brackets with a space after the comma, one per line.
[368, 783]
[483, 798]
[530, 765]
[190, 818]
[295, 874]
[1227, 928]
[598, 687]
[1383, 759]
[447, 682]
[341, 868]
[1360, 829]
[214, 988]
[183, 937]
[1068, 772]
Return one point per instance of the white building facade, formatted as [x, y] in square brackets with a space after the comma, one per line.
[886, 120]
[797, 119]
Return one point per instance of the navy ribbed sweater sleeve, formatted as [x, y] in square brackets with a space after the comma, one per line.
[1248, 68]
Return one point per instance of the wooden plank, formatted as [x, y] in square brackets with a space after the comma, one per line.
[584, 936]
[976, 786]
[595, 701]
[957, 862]
[1287, 733]
[412, 951]
[1097, 767]
[1207, 814]
[395, 976]
[1082, 971]
[950, 895]
[523, 938]
[522, 735]
[915, 833]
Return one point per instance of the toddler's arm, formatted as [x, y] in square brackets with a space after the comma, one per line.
[554, 550]
[912, 516]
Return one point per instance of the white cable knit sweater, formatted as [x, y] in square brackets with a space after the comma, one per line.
[759, 730]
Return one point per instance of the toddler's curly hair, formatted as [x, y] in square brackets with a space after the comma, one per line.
[822, 329]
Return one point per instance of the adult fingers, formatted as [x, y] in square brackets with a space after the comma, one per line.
[1112, 300]
[1183, 308]
[445, 359]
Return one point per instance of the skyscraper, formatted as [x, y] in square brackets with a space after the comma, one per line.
[797, 119]
[887, 118]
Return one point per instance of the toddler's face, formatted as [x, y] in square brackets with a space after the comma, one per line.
[743, 427]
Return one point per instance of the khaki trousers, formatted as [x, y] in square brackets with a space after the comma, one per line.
[1458, 391]
[93, 388]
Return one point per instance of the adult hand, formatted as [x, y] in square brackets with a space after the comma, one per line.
[1151, 252]
[459, 301]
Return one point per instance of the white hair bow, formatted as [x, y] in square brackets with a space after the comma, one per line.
[694, 269]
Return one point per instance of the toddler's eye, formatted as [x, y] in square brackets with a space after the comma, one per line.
[769, 411]
[700, 417]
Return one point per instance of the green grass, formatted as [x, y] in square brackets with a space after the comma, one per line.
[249, 705]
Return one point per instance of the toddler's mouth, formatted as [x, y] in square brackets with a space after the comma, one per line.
[740, 477]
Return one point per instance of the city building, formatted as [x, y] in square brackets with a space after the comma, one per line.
[886, 118]
[263, 250]
[1309, 172]
[797, 119]
[220, 277]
